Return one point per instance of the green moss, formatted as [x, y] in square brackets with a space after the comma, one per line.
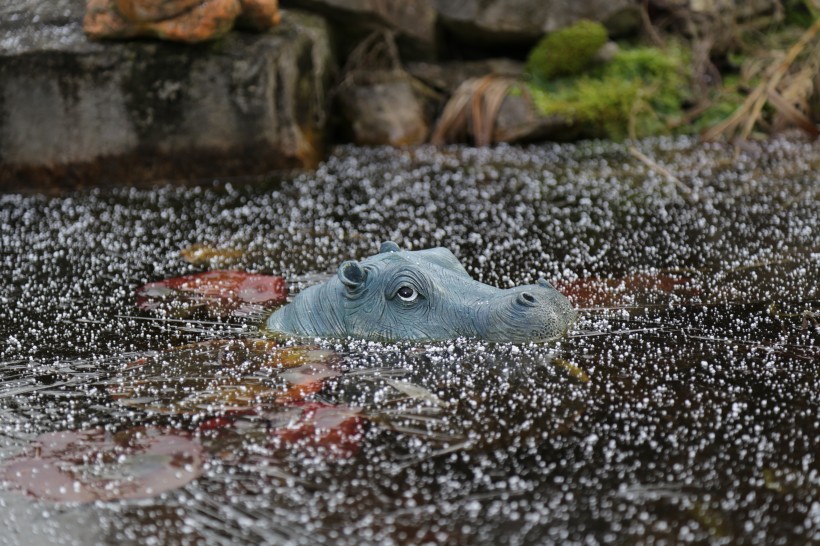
[567, 51]
[515, 90]
[635, 94]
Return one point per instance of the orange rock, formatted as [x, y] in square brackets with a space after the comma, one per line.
[259, 14]
[207, 21]
[102, 20]
[147, 11]
[176, 20]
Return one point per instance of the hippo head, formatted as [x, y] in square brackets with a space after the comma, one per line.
[423, 295]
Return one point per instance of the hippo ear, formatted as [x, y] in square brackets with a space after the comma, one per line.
[544, 283]
[352, 274]
[388, 246]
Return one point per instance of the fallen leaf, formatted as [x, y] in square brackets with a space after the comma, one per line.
[638, 289]
[96, 465]
[572, 369]
[416, 392]
[210, 256]
[222, 376]
[216, 293]
[334, 431]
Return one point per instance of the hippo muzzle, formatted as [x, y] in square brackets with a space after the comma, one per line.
[423, 295]
[536, 312]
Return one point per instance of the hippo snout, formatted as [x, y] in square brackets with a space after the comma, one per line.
[536, 312]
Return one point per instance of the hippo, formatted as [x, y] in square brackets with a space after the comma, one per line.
[423, 295]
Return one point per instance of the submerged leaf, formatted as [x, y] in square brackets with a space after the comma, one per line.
[92, 465]
[636, 289]
[223, 376]
[416, 392]
[333, 430]
[572, 369]
[304, 381]
[216, 293]
[210, 256]
[712, 519]
[300, 429]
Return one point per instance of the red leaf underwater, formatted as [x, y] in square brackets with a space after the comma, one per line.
[301, 428]
[632, 290]
[217, 293]
[92, 465]
[223, 376]
[335, 431]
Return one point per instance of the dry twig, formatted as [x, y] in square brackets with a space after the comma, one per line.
[473, 110]
[748, 114]
[660, 169]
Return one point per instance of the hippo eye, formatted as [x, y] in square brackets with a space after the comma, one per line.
[407, 293]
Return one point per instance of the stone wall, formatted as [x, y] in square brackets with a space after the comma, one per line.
[75, 111]
[79, 111]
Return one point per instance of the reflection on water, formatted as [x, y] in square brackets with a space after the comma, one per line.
[684, 405]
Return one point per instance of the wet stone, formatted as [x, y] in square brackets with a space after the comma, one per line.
[384, 109]
[482, 22]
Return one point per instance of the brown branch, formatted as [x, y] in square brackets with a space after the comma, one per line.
[643, 158]
[749, 112]
[648, 27]
[793, 114]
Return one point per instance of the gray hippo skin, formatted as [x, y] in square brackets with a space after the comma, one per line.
[424, 295]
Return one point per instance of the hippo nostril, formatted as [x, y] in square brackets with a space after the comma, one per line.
[525, 298]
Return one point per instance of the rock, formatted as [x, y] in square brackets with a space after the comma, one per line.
[447, 76]
[717, 21]
[148, 11]
[176, 20]
[383, 108]
[79, 111]
[125, 19]
[259, 14]
[523, 22]
[518, 120]
[497, 108]
[607, 52]
[412, 21]
[736, 10]
[56, 21]
[460, 80]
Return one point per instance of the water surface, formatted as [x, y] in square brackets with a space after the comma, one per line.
[683, 407]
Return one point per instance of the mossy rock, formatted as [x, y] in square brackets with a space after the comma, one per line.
[566, 52]
[636, 94]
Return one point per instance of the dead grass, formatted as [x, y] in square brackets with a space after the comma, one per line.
[472, 111]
